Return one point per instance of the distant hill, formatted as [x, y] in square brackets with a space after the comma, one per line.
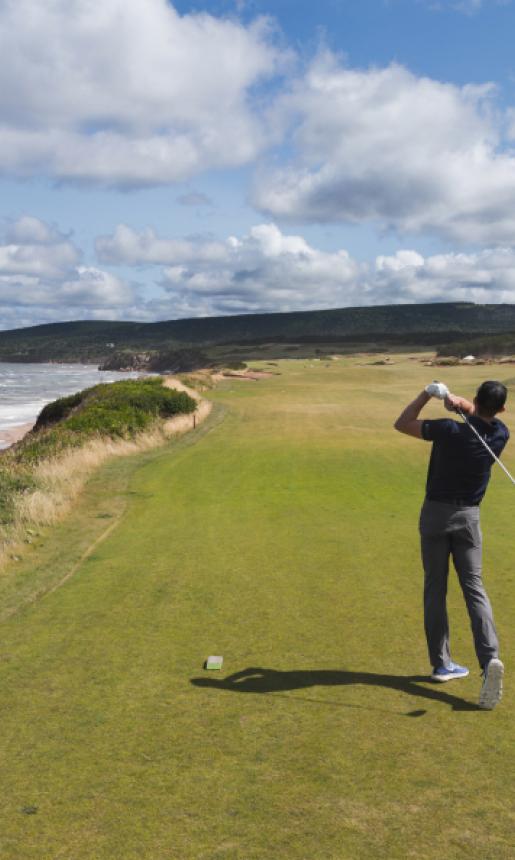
[256, 335]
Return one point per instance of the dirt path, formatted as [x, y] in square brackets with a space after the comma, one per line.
[183, 423]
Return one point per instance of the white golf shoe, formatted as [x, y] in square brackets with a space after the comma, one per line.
[491, 691]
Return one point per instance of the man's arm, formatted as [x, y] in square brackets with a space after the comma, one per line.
[408, 422]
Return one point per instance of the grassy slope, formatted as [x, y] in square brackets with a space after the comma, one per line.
[284, 539]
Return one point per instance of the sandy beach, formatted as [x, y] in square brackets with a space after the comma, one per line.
[11, 435]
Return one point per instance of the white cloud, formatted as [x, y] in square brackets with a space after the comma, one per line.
[400, 261]
[129, 247]
[486, 277]
[265, 270]
[33, 248]
[268, 270]
[131, 94]
[386, 146]
[127, 93]
[32, 231]
[41, 278]
[95, 288]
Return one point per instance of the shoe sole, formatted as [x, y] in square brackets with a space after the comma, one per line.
[491, 691]
[442, 678]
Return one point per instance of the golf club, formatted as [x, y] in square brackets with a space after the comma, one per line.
[440, 391]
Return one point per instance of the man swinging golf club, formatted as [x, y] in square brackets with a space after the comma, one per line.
[459, 471]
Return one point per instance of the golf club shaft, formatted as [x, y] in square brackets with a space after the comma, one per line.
[503, 467]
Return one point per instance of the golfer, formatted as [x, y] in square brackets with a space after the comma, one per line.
[457, 478]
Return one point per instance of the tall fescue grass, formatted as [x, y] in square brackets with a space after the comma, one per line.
[42, 475]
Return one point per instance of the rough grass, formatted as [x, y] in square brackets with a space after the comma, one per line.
[284, 539]
[42, 475]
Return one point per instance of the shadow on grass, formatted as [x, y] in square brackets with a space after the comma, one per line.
[259, 680]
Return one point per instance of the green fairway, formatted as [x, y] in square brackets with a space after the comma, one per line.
[282, 534]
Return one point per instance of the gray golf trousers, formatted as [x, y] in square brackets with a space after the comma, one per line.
[454, 530]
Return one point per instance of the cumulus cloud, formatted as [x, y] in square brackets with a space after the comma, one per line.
[128, 93]
[32, 231]
[268, 270]
[130, 247]
[485, 277]
[386, 146]
[134, 94]
[95, 288]
[34, 249]
[264, 270]
[42, 278]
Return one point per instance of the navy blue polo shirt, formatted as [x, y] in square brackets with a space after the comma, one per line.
[460, 466]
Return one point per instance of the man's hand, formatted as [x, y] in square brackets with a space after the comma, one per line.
[458, 404]
[452, 403]
[437, 389]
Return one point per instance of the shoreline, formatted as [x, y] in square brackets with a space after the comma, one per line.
[13, 434]
[10, 435]
[73, 377]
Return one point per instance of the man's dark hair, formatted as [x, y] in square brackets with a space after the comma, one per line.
[491, 397]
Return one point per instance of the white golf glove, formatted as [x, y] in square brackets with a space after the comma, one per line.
[437, 389]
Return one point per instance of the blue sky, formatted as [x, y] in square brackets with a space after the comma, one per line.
[163, 160]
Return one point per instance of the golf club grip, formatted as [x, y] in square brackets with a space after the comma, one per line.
[503, 467]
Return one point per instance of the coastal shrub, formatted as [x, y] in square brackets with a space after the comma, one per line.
[116, 410]
[128, 406]
[59, 409]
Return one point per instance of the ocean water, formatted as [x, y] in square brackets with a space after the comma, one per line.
[26, 388]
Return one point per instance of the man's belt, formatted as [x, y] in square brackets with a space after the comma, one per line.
[459, 502]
